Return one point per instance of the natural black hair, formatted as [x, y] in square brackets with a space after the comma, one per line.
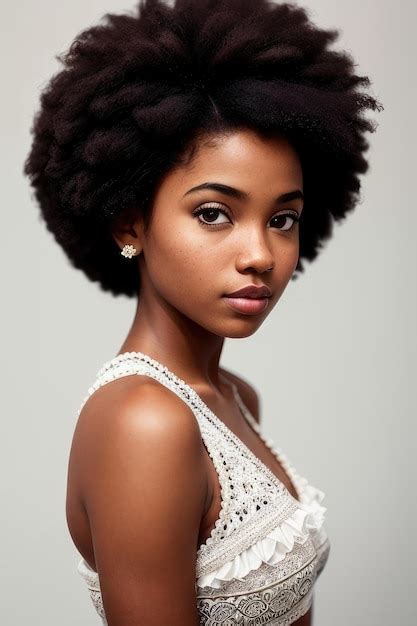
[138, 90]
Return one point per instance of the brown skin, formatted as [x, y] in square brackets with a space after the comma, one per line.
[123, 444]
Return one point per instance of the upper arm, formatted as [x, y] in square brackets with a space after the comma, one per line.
[144, 491]
[247, 392]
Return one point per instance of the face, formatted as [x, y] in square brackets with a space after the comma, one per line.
[217, 226]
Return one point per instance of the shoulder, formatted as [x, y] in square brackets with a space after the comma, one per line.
[247, 392]
[129, 417]
[137, 401]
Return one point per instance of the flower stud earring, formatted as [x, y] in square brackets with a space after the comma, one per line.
[128, 251]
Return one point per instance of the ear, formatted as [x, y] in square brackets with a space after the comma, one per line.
[128, 230]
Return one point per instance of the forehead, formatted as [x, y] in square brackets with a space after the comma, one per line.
[240, 158]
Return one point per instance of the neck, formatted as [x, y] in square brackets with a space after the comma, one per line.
[184, 347]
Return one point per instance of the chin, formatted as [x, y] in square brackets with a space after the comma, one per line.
[241, 335]
[239, 329]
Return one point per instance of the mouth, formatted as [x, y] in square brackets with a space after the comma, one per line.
[251, 291]
[247, 306]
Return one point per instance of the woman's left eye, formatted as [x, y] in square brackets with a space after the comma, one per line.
[292, 216]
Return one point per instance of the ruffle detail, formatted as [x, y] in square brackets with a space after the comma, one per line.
[89, 575]
[308, 518]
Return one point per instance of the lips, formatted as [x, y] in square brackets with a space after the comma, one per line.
[250, 300]
[248, 306]
[251, 291]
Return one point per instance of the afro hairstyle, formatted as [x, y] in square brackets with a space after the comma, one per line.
[138, 90]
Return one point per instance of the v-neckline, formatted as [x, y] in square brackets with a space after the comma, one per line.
[219, 422]
[258, 432]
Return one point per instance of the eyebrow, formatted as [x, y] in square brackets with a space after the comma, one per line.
[243, 195]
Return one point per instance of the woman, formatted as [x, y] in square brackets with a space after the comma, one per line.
[186, 153]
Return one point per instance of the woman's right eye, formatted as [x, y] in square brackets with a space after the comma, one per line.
[210, 211]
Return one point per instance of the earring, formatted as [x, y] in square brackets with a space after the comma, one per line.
[128, 251]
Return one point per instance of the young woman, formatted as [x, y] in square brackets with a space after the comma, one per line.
[192, 156]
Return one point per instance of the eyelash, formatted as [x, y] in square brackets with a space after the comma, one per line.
[220, 208]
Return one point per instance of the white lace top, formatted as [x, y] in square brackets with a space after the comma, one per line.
[267, 549]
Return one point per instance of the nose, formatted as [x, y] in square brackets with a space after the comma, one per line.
[256, 255]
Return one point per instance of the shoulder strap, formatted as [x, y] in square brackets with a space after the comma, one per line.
[128, 364]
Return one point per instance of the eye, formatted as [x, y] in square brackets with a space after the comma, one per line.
[293, 215]
[211, 211]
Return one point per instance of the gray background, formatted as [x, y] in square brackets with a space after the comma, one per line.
[335, 362]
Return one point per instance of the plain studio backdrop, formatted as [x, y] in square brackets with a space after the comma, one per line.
[334, 363]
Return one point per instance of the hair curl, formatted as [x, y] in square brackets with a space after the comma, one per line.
[137, 91]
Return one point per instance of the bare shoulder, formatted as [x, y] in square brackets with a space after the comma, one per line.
[144, 486]
[247, 392]
[133, 399]
[133, 407]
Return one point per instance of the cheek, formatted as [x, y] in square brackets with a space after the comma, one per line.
[181, 265]
[287, 259]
